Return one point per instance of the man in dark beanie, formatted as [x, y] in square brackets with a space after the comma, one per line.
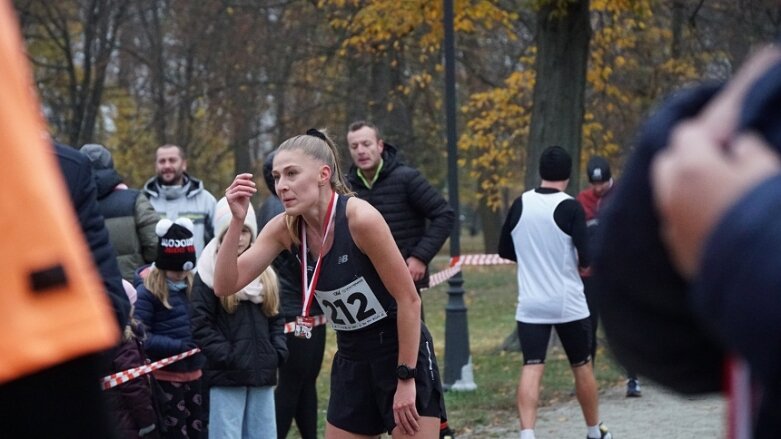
[544, 230]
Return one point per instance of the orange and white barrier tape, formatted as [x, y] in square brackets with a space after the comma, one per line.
[493, 259]
[118, 378]
[291, 326]
[456, 262]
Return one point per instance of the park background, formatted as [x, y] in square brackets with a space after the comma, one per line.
[228, 80]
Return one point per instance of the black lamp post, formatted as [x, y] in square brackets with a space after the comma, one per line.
[458, 361]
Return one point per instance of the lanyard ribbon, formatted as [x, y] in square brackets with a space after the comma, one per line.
[308, 289]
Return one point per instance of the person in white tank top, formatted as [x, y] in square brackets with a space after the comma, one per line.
[545, 233]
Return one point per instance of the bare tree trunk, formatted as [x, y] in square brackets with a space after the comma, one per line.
[679, 12]
[491, 221]
[562, 57]
[110, 19]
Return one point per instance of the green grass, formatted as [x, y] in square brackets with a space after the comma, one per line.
[490, 299]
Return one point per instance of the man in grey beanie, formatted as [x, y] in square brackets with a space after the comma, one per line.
[130, 217]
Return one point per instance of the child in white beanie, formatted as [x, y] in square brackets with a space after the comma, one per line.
[242, 337]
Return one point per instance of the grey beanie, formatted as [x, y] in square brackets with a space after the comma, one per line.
[98, 155]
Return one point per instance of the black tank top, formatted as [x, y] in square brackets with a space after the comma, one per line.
[349, 290]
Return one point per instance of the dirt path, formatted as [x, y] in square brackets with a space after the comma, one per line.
[658, 414]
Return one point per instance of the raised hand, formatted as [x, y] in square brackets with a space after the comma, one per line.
[239, 194]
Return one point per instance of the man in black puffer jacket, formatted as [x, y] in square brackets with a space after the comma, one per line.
[402, 195]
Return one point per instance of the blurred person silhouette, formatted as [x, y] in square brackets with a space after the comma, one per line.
[691, 274]
[592, 199]
[56, 317]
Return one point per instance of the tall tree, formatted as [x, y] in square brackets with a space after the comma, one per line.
[73, 43]
[563, 37]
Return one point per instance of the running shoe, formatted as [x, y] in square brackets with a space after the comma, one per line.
[446, 433]
[633, 388]
[603, 432]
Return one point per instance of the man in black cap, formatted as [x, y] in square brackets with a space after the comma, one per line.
[592, 198]
[544, 230]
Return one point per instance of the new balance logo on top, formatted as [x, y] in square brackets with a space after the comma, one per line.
[342, 259]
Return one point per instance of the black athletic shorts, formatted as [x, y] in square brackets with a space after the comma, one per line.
[363, 380]
[575, 338]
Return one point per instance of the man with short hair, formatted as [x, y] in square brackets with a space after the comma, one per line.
[174, 193]
[545, 233]
[402, 195]
[419, 218]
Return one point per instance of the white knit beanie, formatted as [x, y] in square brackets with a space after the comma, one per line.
[222, 219]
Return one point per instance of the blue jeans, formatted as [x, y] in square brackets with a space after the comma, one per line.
[242, 413]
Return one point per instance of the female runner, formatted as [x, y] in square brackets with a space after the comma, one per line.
[384, 376]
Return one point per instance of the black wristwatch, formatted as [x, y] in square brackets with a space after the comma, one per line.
[404, 372]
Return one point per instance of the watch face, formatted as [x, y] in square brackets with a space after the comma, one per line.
[404, 372]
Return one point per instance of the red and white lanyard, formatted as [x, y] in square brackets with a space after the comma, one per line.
[307, 288]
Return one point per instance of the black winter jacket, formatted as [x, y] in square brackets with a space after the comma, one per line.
[80, 183]
[406, 200]
[242, 349]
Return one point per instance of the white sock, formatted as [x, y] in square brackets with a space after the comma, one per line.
[593, 432]
[527, 434]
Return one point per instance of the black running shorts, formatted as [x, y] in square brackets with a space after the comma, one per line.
[363, 383]
[575, 338]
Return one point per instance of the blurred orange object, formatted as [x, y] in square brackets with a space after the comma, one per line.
[52, 305]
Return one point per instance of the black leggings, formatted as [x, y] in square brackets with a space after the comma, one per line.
[592, 300]
[296, 394]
